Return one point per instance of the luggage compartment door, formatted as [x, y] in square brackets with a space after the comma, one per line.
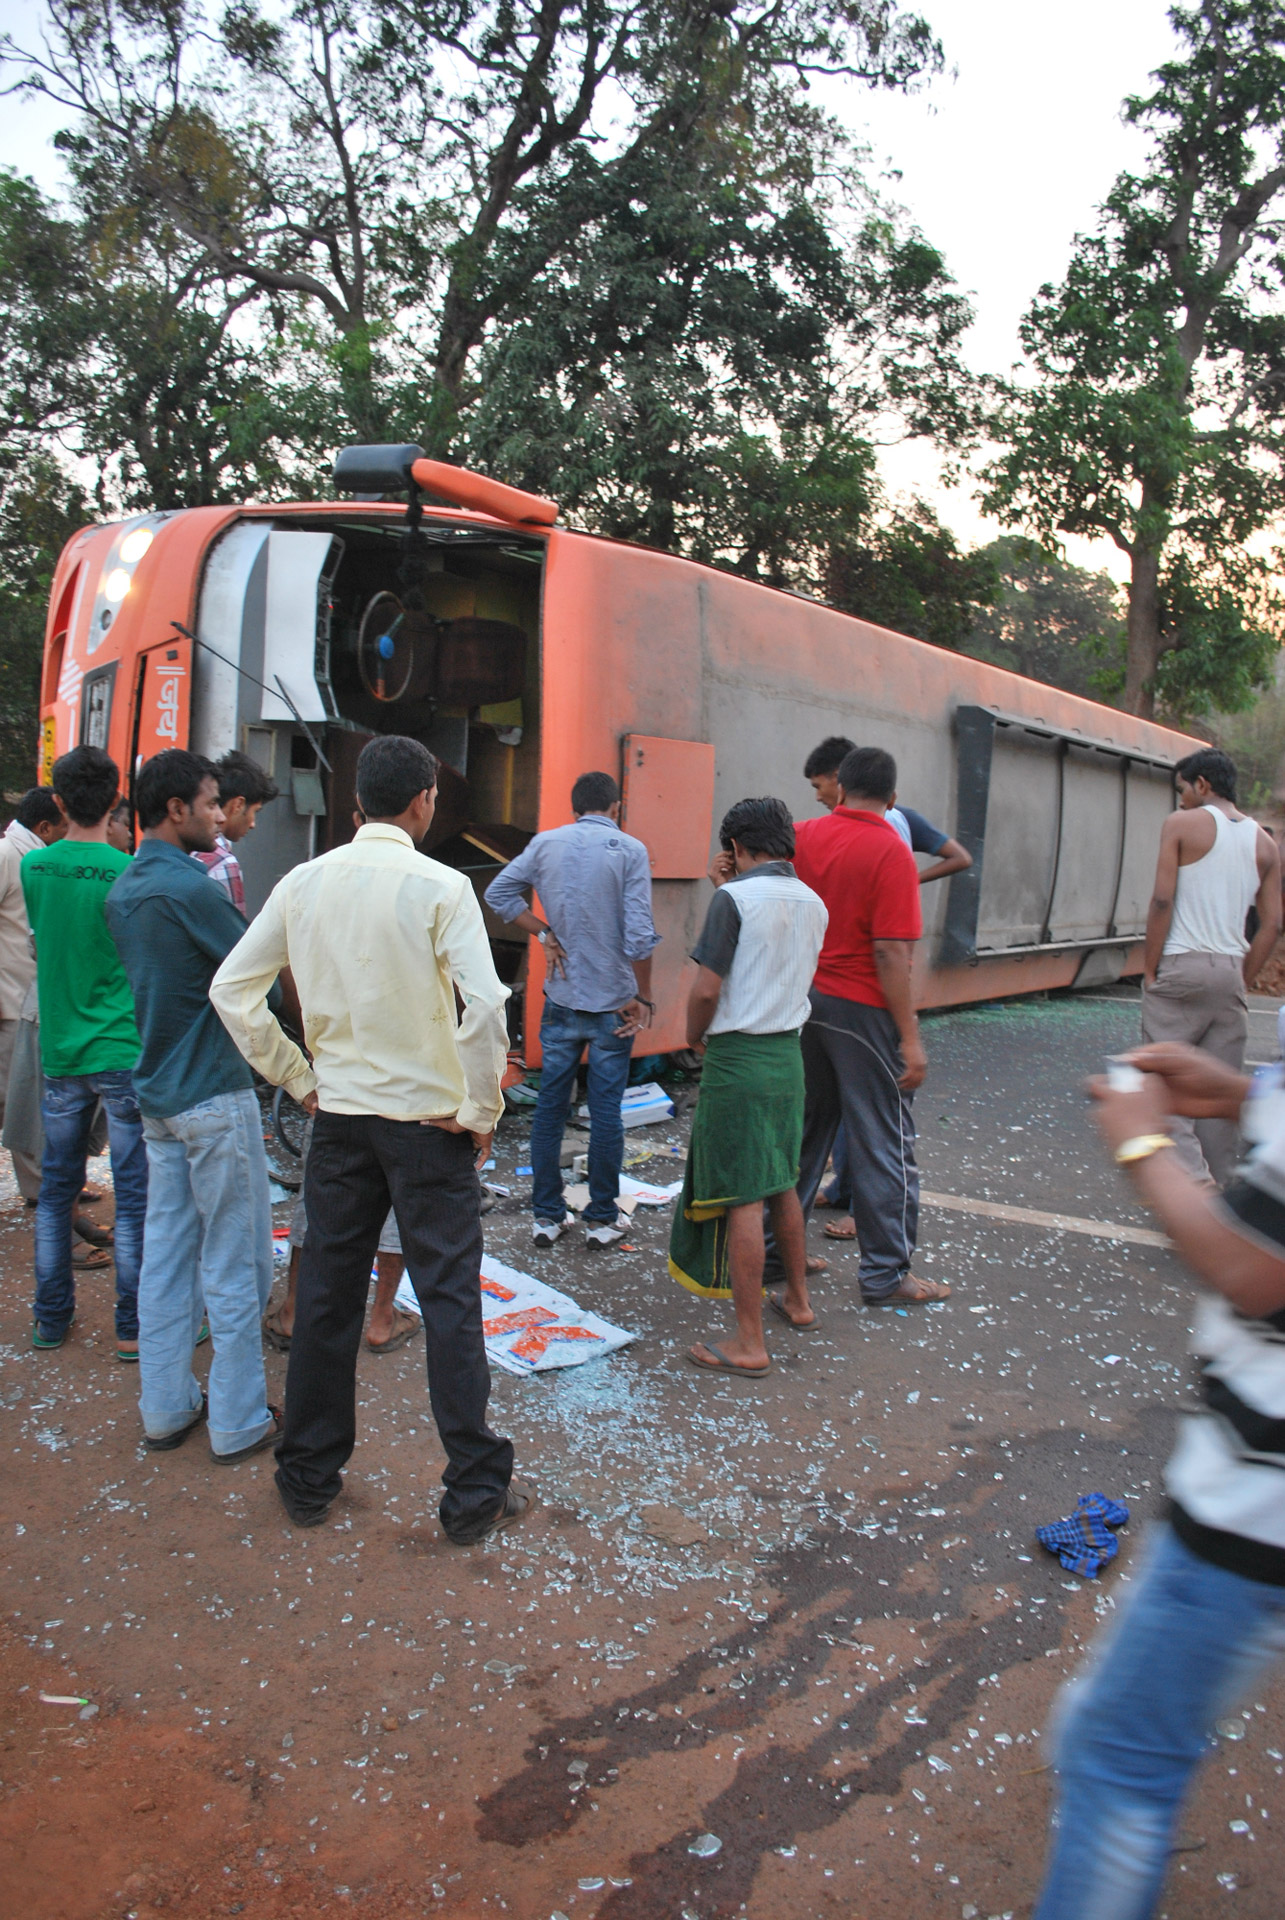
[667, 799]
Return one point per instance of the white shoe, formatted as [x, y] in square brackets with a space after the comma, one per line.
[604, 1235]
[547, 1233]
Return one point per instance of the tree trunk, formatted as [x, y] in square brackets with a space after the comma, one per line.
[1143, 631]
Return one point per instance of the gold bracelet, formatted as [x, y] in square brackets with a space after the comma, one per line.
[1141, 1147]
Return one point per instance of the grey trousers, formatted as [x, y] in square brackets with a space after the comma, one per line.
[26, 1165]
[1200, 998]
[851, 1060]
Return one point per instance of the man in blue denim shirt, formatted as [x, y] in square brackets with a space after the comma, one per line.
[208, 1239]
[594, 883]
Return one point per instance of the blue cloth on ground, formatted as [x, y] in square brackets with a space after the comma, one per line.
[1083, 1542]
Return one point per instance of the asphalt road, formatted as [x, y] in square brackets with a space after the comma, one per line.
[770, 1648]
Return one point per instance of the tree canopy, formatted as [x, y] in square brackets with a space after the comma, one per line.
[1154, 412]
[610, 250]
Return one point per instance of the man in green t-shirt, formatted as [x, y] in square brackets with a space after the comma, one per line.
[88, 1044]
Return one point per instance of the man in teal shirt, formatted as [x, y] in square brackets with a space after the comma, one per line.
[88, 1045]
[209, 1218]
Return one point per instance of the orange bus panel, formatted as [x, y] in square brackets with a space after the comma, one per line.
[668, 803]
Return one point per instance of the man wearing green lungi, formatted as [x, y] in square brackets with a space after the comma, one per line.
[755, 960]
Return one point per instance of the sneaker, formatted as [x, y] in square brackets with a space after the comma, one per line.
[606, 1234]
[547, 1233]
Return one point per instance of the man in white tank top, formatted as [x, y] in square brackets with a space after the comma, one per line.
[1215, 864]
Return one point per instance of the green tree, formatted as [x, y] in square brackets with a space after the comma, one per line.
[122, 356]
[908, 572]
[1051, 621]
[1156, 415]
[398, 173]
[706, 375]
[39, 511]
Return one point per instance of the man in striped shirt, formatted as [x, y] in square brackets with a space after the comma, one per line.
[1206, 1614]
[244, 790]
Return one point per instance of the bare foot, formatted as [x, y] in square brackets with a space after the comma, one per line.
[845, 1229]
[815, 1264]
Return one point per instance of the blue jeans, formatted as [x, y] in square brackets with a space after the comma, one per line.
[1186, 1647]
[67, 1108]
[564, 1034]
[209, 1250]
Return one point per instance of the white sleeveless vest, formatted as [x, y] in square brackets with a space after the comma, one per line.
[1215, 893]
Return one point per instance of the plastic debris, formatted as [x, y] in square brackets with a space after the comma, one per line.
[1238, 1826]
[592, 1884]
[1225, 1729]
[705, 1846]
[642, 1106]
[939, 1765]
[64, 1699]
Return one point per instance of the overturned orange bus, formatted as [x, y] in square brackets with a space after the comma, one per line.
[524, 653]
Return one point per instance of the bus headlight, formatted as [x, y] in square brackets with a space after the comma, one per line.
[135, 545]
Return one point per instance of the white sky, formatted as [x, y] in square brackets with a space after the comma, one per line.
[1001, 161]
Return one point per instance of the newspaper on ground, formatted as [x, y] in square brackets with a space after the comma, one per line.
[631, 1194]
[531, 1328]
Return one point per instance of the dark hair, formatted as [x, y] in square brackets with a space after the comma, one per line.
[36, 807]
[761, 826]
[869, 772]
[87, 781]
[240, 777]
[594, 793]
[123, 810]
[1213, 765]
[828, 757]
[391, 770]
[172, 775]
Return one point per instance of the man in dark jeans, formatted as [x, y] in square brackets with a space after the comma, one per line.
[88, 1044]
[594, 882]
[380, 940]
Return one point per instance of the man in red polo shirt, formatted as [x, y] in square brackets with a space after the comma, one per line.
[862, 1055]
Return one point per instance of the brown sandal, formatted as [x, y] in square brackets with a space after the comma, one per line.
[273, 1332]
[92, 1259]
[913, 1291]
[411, 1324]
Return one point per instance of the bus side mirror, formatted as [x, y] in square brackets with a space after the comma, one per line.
[376, 470]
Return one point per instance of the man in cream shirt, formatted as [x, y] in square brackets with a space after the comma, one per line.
[406, 1099]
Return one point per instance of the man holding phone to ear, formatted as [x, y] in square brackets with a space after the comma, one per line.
[1205, 1614]
[378, 939]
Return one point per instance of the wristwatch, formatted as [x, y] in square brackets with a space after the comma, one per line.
[1141, 1147]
